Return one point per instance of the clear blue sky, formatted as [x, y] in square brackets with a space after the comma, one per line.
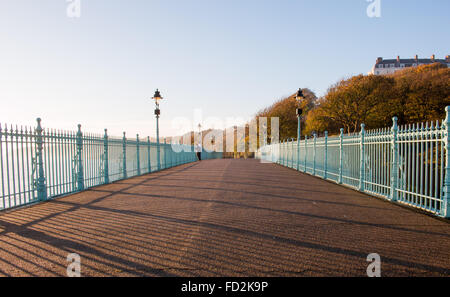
[228, 57]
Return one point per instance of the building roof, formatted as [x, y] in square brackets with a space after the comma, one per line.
[410, 61]
[405, 63]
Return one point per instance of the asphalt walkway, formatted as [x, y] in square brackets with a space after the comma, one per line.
[222, 218]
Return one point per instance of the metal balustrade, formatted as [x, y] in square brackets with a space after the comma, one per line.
[407, 164]
[206, 155]
[40, 164]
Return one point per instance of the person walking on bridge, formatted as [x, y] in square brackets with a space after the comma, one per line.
[198, 150]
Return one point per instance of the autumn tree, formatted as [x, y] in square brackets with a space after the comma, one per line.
[285, 110]
[422, 93]
[347, 104]
[413, 95]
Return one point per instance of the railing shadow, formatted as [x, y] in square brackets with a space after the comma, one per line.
[135, 228]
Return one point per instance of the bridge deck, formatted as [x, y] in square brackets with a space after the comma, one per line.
[222, 218]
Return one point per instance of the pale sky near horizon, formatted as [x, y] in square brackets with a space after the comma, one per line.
[228, 58]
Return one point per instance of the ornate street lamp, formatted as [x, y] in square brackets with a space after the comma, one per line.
[199, 147]
[299, 97]
[157, 97]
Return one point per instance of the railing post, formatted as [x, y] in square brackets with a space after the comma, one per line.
[298, 154]
[325, 161]
[106, 158]
[149, 162]
[41, 185]
[292, 153]
[314, 154]
[180, 155]
[138, 159]
[124, 154]
[299, 136]
[306, 151]
[361, 159]
[394, 157]
[286, 152]
[175, 154]
[280, 152]
[272, 151]
[445, 207]
[341, 154]
[158, 145]
[165, 153]
[170, 155]
[80, 171]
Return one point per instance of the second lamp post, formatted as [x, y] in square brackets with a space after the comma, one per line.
[299, 97]
[157, 97]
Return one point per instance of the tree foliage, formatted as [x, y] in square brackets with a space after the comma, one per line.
[285, 110]
[413, 95]
[351, 102]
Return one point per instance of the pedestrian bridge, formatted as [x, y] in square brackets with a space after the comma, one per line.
[222, 217]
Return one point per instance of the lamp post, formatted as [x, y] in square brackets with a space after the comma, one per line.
[263, 149]
[264, 142]
[157, 97]
[200, 140]
[299, 97]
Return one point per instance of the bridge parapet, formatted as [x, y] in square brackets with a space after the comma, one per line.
[408, 164]
[40, 164]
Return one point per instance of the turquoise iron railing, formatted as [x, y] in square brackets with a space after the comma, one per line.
[408, 164]
[38, 164]
[211, 155]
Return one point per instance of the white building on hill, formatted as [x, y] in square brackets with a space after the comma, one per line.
[383, 67]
